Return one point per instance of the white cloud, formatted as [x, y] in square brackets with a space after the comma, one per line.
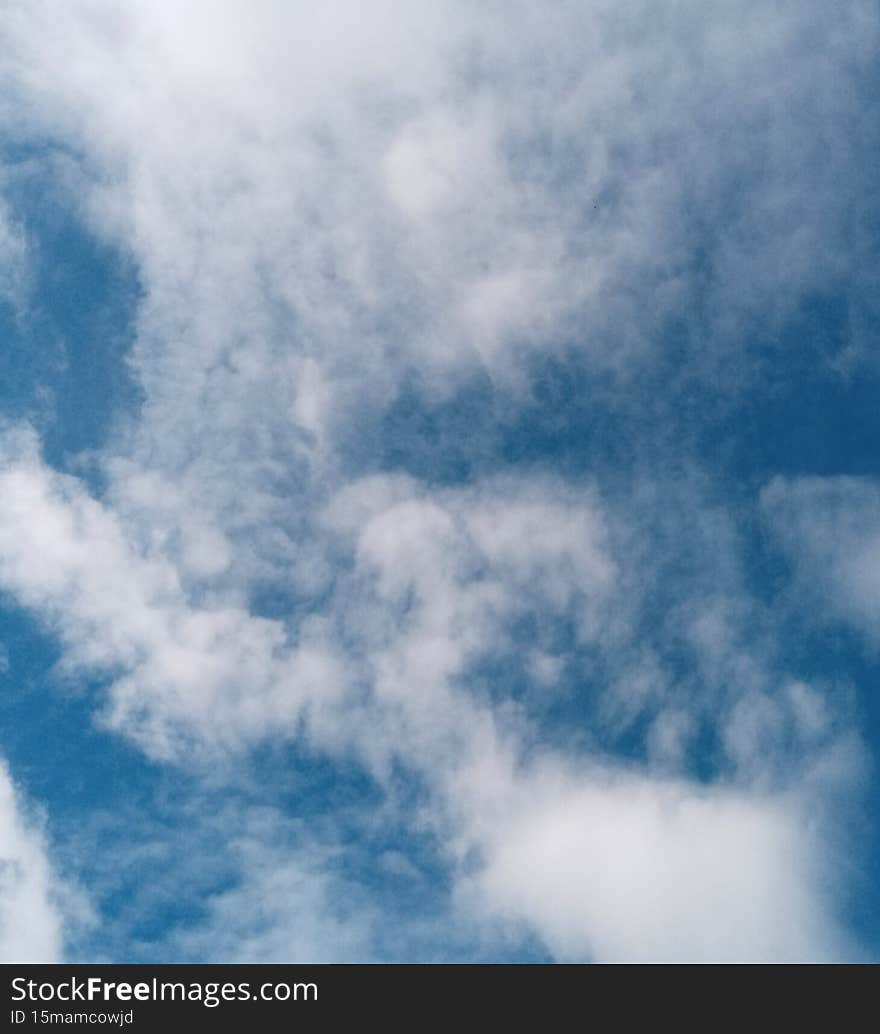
[435, 582]
[433, 585]
[603, 862]
[182, 673]
[31, 922]
[616, 867]
[436, 186]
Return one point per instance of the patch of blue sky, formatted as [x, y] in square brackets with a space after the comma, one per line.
[96, 791]
[63, 362]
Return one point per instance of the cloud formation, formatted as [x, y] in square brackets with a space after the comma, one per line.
[31, 916]
[626, 869]
[332, 213]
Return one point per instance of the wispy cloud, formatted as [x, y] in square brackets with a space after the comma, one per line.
[32, 898]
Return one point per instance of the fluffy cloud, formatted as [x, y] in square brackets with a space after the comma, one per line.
[431, 585]
[441, 188]
[435, 585]
[182, 672]
[31, 922]
[619, 868]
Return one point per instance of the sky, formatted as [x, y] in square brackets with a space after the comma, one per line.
[439, 481]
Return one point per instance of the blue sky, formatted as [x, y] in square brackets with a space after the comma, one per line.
[439, 494]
